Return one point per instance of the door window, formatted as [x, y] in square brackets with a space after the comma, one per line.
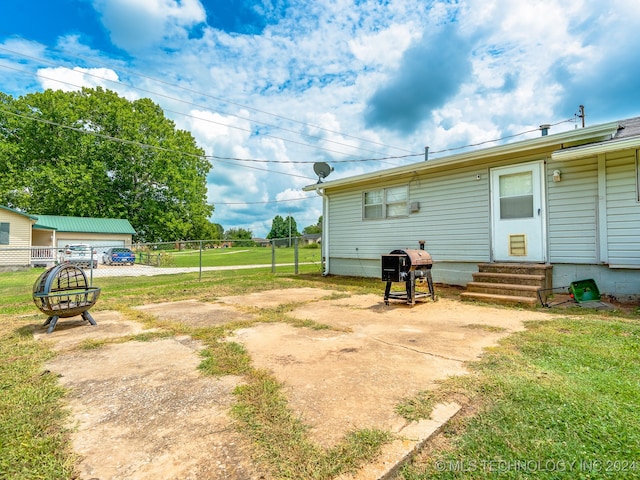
[516, 195]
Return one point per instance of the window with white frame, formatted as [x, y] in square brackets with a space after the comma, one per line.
[385, 203]
[4, 233]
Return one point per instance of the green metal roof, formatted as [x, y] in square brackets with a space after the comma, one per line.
[84, 224]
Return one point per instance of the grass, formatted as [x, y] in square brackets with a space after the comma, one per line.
[34, 442]
[555, 401]
[224, 257]
[282, 438]
[558, 400]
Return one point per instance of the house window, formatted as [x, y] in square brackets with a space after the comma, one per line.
[386, 203]
[374, 204]
[4, 233]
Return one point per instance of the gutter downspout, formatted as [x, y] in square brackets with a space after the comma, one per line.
[324, 251]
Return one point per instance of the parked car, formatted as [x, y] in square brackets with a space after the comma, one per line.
[79, 254]
[119, 256]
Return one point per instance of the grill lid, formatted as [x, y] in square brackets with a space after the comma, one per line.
[418, 258]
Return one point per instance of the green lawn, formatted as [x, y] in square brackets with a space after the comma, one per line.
[558, 400]
[34, 439]
[223, 257]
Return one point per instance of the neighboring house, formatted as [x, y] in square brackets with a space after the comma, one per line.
[34, 239]
[261, 242]
[570, 200]
[15, 237]
[309, 238]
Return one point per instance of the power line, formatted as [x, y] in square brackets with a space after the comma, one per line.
[230, 102]
[270, 171]
[201, 106]
[100, 135]
[227, 160]
[135, 143]
[224, 160]
[209, 120]
[569, 120]
[215, 157]
[398, 157]
[267, 202]
[219, 158]
[206, 119]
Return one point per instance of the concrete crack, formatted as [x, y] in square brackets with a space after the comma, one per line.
[418, 351]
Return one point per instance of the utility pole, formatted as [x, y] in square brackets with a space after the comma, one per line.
[581, 114]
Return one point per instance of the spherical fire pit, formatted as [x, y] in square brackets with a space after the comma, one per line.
[63, 291]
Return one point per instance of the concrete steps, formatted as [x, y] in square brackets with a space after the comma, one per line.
[509, 283]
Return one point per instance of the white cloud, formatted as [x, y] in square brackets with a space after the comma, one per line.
[222, 133]
[290, 194]
[67, 79]
[383, 48]
[142, 23]
[316, 70]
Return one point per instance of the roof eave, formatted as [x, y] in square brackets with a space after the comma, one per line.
[596, 133]
[595, 149]
[18, 212]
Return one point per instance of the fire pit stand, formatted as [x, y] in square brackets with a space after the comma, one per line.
[409, 266]
[61, 292]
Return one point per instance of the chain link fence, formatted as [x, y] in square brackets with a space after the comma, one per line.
[111, 259]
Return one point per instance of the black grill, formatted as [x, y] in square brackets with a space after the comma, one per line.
[411, 266]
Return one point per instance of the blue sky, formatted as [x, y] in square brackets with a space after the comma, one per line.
[292, 82]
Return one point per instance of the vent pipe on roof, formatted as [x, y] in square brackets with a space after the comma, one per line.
[545, 129]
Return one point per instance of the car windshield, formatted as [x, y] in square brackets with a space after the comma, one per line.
[79, 248]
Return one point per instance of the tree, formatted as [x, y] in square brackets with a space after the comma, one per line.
[313, 229]
[93, 153]
[277, 228]
[215, 232]
[283, 228]
[240, 237]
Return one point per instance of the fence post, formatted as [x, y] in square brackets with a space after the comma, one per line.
[295, 255]
[273, 256]
[200, 276]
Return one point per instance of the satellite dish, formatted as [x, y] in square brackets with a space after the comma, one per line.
[322, 169]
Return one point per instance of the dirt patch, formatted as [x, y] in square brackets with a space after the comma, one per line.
[195, 313]
[71, 332]
[273, 298]
[343, 380]
[143, 410]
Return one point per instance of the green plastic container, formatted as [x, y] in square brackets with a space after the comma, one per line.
[584, 291]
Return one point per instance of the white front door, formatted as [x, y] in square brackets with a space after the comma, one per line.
[517, 213]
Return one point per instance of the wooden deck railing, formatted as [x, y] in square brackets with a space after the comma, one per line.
[43, 255]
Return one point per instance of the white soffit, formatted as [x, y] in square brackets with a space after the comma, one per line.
[595, 149]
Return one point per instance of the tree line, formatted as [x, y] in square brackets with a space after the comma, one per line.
[92, 153]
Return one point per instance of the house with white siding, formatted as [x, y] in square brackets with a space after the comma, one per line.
[30, 240]
[569, 202]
